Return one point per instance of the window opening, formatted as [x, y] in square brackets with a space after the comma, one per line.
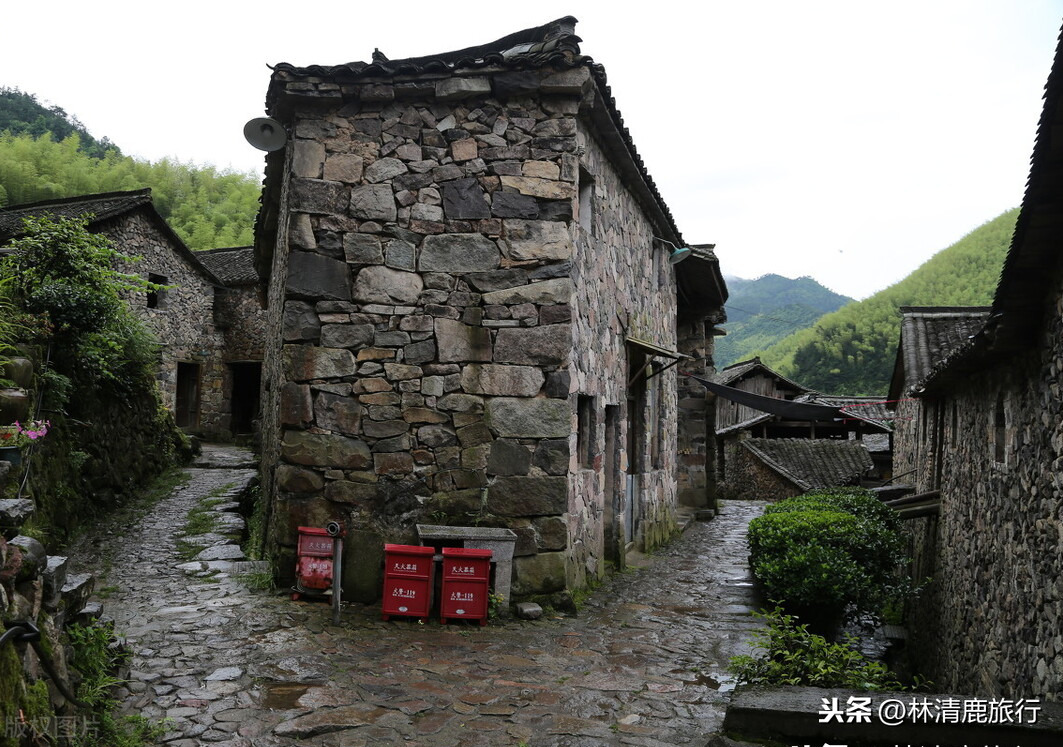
[999, 430]
[586, 201]
[156, 297]
[586, 434]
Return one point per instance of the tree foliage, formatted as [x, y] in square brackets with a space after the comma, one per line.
[61, 276]
[46, 155]
[852, 350]
[22, 113]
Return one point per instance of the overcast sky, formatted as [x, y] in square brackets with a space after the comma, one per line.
[849, 141]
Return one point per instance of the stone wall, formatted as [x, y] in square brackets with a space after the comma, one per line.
[426, 322]
[239, 315]
[195, 321]
[624, 287]
[990, 622]
[423, 288]
[183, 319]
[696, 437]
[748, 478]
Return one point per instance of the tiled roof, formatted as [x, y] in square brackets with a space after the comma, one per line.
[740, 370]
[871, 410]
[554, 43]
[812, 463]
[929, 334]
[102, 206]
[1034, 255]
[232, 266]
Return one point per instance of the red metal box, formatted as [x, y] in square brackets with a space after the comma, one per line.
[466, 576]
[407, 581]
[313, 567]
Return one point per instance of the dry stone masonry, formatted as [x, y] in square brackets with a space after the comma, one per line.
[463, 248]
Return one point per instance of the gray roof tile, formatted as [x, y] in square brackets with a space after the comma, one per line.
[812, 463]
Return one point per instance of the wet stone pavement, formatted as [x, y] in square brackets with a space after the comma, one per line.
[644, 663]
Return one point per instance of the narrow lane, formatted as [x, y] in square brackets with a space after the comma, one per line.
[643, 664]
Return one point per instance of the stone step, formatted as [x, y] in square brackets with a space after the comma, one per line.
[77, 590]
[221, 552]
[54, 580]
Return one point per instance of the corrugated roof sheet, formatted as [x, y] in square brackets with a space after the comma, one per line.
[812, 463]
[232, 266]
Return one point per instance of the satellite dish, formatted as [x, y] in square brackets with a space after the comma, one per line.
[265, 133]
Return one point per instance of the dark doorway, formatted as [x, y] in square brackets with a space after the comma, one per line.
[247, 382]
[186, 410]
[636, 439]
[613, 494]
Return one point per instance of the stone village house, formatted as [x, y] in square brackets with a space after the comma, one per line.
[777, 455]
[986, 430]
[471, 320]
[207, 318]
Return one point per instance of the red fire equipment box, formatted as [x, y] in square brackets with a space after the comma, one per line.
[466, 576]
[407, 581]
[313, 569]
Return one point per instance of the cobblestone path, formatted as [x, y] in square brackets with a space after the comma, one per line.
[643, 664]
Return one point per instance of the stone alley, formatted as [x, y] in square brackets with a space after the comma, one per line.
[644, 662]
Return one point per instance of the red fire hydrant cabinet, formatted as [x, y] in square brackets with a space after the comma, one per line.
[466, 579]
[407, 581]
[313, 568]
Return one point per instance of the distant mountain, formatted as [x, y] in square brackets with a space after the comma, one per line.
[763, 311]
[852, 350]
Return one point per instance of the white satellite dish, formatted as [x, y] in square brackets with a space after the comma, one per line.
[265, 133]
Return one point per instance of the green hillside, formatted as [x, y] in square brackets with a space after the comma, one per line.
[763, 311]
[851, 351]
[21, 113]
[43, 156]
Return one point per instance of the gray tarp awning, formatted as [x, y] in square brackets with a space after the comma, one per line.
[784, 407]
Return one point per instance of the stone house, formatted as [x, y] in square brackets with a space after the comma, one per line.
[987, 432]
[197, 367]
[473, 317]
[239, 315]
[852, 435]
[777, 468]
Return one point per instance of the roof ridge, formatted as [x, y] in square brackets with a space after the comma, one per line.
[144, 192]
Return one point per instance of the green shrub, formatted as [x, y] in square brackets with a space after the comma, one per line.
[818, 554]
[859, 502]
[791, 655]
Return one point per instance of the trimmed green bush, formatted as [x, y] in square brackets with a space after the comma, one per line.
[819, 553]
[860, 502]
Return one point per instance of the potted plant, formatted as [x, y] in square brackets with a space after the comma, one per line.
[14, 437]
